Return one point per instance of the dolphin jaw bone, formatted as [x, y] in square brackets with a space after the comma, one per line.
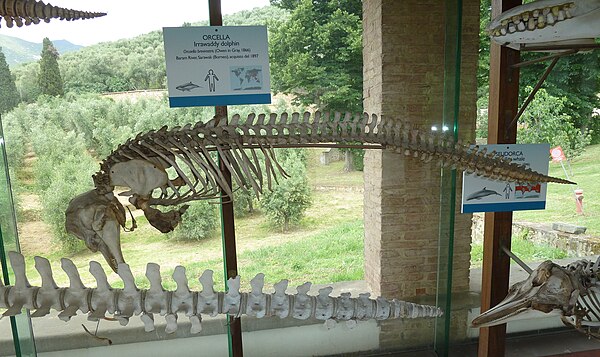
[549, 289]
[548, 22]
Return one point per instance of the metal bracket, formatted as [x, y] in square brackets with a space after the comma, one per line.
[538, 85]
[517, 260]
[566, 51]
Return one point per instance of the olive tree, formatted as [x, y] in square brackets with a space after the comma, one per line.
[288, 200]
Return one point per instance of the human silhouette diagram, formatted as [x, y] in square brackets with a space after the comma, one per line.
[212, 79]
[507, 190]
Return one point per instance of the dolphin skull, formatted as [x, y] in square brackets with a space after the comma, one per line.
[550, 289]
[96, 219]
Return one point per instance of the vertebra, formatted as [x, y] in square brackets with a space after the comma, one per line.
[129, 301]
[26, 12]
[191, 145]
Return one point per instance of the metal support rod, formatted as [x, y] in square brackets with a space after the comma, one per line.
[587, 47]
[227, 220]
[544, 58]
[537, 87]
[517, 260]
[214, 13]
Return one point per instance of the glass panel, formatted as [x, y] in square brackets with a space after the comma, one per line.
[448, 194]
[20, 325]
[144, 244]
[561, 113]
[326, 246]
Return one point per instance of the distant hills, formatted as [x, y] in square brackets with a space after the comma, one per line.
[19, 51]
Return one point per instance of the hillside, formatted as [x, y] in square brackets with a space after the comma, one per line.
[136, 63]
[19, 51]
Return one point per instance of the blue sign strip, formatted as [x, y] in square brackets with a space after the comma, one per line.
[199, 101]
[503, 207]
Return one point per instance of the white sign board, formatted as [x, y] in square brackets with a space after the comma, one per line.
[217, 65]
[484, 195]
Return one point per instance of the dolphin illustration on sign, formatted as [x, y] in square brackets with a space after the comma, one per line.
[187, 87]
[481, 194]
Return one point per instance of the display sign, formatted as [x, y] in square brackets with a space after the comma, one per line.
[485, 195]
[217, 65]
[557, 154]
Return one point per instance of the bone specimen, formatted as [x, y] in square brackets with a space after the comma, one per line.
[26, 12]
[571, 292]
[129, 301]
[548, 22]
[245, 147]
[239, 143]
[96, 219]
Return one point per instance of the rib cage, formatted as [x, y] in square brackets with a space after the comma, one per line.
[26, 12]
[589, 304]
[239, 143]
[587, 308]
[129, 301]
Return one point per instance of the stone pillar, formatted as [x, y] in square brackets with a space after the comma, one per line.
[403, 53]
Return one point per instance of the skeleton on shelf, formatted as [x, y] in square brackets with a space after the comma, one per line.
[27, 12]
[548, 22]
[571, 292]
[245, 146]
[129, 301]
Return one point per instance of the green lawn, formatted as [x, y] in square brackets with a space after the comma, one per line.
[560, 205]
[330, 255]
[332, 175]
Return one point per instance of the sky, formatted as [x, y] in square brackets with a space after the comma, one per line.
[124, 19]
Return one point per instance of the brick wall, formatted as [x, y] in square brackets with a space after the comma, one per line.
[403, 52]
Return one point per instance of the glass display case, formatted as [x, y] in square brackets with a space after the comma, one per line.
[391, 229]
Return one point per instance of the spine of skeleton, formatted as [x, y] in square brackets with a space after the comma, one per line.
[267, 131]
[26, 12]
[129, 301]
